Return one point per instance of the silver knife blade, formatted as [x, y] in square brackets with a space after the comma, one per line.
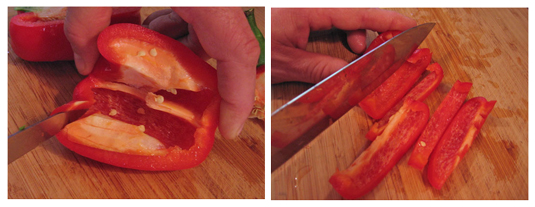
[299, 121]
[26, 140]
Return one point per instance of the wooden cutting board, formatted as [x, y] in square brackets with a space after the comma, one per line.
[487, 47]
[234, 168]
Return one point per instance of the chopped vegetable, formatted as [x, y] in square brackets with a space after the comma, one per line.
[379, 158]
[438, 123]
[457, 139]
[420, 92]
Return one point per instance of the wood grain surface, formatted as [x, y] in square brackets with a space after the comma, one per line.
[486, 46]
[234, 168]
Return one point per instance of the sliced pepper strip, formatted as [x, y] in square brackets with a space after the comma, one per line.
[420, 92]
[388, 94]
[379, 158]
[438, 123]
[382, 38]
[457, 139]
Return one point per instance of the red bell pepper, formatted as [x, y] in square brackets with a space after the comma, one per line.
[457, 139]
[333, 99]
[38, 35]
[438, 123]
[337, 102]
[382, 38]
[152, 103]
[388, 94]
[420, 92]
[379, 158]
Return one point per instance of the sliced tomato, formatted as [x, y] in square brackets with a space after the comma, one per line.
[379, 158]
[457, 139]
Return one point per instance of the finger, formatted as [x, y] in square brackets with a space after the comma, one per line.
[226, 36]
[155, 15]
[358, 18]
[82, 26]
[356, 40]
[292, 64]
[192, 42]
[169, 24]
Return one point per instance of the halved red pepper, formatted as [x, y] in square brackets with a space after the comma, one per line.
[152, 103]
[388, 94]
[379, 158]
[438, 123]
[38, 35]
[457, 139]
[420, 92]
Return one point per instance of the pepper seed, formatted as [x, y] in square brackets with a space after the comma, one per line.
[113, 112]
[153, 52]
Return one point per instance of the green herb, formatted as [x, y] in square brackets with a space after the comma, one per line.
[22, 128]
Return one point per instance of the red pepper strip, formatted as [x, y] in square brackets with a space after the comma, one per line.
[457, 139]
[420, 92]
[152, 103]
[438, 123]
[41, 38]
[388, 94]
[382, 38]
[379, 158]
[337, 102]
[82, 98]
[326, 89]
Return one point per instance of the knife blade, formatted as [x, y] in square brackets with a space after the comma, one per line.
[26, 140]
[299, 121]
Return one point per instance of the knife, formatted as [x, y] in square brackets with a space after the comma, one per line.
[299, 121]
[26, 140]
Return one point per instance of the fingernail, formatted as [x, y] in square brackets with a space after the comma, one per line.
[80, 64]
[238, 131]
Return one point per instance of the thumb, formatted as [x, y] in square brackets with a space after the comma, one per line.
[82, 26]
[293, 64]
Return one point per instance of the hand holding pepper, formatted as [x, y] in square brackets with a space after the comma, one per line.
[220, 33]
[290, 29]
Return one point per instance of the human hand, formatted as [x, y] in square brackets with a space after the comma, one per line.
[290, 30]
[219, 33]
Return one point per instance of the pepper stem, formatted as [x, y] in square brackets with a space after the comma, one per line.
[258, 34]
